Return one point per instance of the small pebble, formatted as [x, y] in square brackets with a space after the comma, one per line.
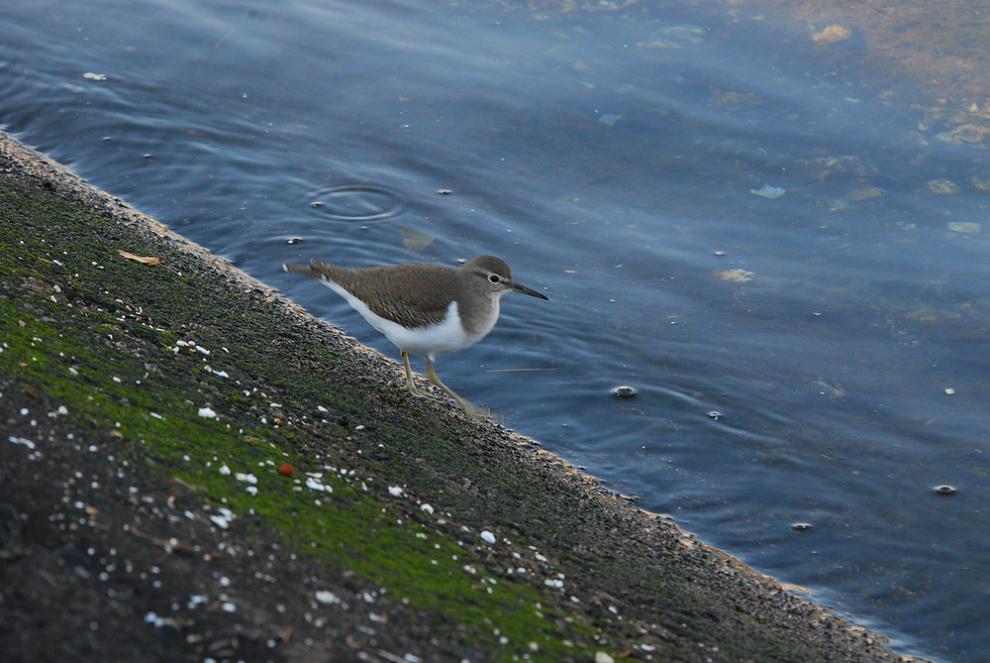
[488, 537]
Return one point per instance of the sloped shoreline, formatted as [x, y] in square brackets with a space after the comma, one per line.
[193, 467]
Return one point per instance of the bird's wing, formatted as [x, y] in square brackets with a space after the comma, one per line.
[410, 295]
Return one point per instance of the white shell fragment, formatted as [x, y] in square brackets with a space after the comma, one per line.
[222, 520]
[22, 441]
[313, 484]
[326, 598]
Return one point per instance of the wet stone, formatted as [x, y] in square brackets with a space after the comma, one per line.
[831, 34]
[735, 275]
[943, 187]
[624, 391]
[963, 227]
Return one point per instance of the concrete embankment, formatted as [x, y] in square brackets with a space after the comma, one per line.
[194, 468]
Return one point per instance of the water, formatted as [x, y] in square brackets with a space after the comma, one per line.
[607, 156]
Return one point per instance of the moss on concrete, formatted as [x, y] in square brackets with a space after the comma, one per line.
[84, 367]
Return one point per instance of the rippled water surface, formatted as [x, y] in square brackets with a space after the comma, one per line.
[776, 240]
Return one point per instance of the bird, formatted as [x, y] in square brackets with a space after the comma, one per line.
[424, 309]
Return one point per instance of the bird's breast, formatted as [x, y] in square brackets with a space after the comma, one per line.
[478, 321]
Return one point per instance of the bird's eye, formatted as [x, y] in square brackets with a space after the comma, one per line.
[494, 278]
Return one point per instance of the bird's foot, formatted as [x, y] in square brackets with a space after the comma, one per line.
[475, 413]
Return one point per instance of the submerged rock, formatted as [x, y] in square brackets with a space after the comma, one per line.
[624, 391]
[831, 34]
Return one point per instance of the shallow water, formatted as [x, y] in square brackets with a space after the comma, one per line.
[610, 157]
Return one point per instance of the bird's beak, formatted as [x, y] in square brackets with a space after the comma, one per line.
[518, 287]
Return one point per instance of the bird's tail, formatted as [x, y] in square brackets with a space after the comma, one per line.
[302, 270]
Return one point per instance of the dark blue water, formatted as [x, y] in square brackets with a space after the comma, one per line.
[607, 156]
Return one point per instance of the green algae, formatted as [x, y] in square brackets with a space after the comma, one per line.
[115, 318]
[110, 363]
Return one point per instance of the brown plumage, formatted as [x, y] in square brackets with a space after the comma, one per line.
[410, 295]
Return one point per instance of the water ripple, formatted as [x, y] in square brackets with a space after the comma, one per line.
[357, 202]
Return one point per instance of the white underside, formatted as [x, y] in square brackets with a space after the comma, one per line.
[447, 336]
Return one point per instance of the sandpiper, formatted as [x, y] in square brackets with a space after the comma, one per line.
[423, 309]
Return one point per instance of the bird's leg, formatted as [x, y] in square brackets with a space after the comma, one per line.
[409, 378]
[435, 379]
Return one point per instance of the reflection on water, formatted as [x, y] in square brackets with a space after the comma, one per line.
[733, 216]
